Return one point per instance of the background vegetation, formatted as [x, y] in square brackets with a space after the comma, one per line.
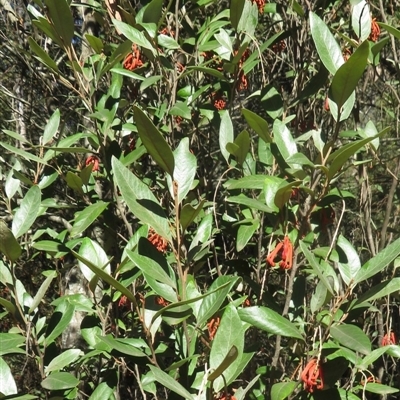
[199, 199]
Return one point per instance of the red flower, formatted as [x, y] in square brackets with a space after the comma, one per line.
[285, 251]
[213, 327]
[217, 100]
[158, 241]
[260, 5]
[95, 161]
[312, 376]
[124, 302]
[389, 338]
[133, 59]
[375, 31]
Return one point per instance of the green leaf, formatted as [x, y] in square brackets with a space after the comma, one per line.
[236, 12]
[170, 383]
[188, 214]
[51, 127]
[258, 124]
[284, 141]
[393, 31]
[95, 43]
[371, 358]
[167, 42]
[184, 171]
[152, 12]
[8, 244]
[225, 133]
[74, 182]
[134, 35]
[154, 142]
[350, 267]
[8, 306]
[315, 266]
[379, 291]
[10, 343]
[351, 336]
[243, 143]
[246, 182]
[122, 345]
[342, 155]
[227, 348]
[361, 20]
[250, 203]
[218, 291]
[141, 200]
[347, 76]
[85, 218]
[60, 381]
[314, 84]
[151, 268]
[102, 392]
[58, 325]
[43, 56]
[63, 360]
[7, 383]
[61, 18]
[42, 290]
[27, 212]
[210, 71]
[284, 192]
[282, 390]
[245, 233]
[378, 388]
[106, 277]
[327, 47]
[24, 154]
[270, 321]
[379, 262]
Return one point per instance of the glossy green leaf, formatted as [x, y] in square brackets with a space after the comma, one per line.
[379, 262]
[74, 182]
[106, 277]
[218, 291]
[91, 250]
[184, 171]
[189, 214]
[270, 321]
[282, 390]
[284, 193]
[315, 266]
[351, 265]
[392, 30]
[58, 325]
[134, 35]
[152, 12]
[51, 127]
[343, 154]
[243, 143]
[348, 75]
[236, 12]
[167, 381]
[245, 233]
[250, 203]
[361, 20]
[85, 218]
[7, 383]
[24, 154]
[10, 307]
[141, 200]
[371, 358]
[61, 18]
[60, 381]
[225, 133]
[226, 348]
[380, 291]
[379, 388]
[95, 43]
[271, 185]
[10, 342]
[319, 298]
[27, 212]
[122, 345]
[327, 47]
[284, 140]
[42, 55]
[151, 268]
[258, 124]
[42, 290]
[8, 243]
[246, 182]
[351, 336]
[102, 392]
[154, 142]
[63, 360]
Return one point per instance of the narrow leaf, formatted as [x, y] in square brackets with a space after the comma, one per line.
[51, 127]
[225, 133]
[8, 243]
[83, 219]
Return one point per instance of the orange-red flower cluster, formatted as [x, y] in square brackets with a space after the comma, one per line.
[225, 396]
[161, 301]
[95, 161]
[283, 250]
[260, 5]
[312, 376]
[133, 60]
[158, 241]
[278, 47]
[217, 100]
[242, 82]
[375, 31]
[212, 326]
[124, 302]
[389, 338]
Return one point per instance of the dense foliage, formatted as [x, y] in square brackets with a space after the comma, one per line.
[199, 200]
